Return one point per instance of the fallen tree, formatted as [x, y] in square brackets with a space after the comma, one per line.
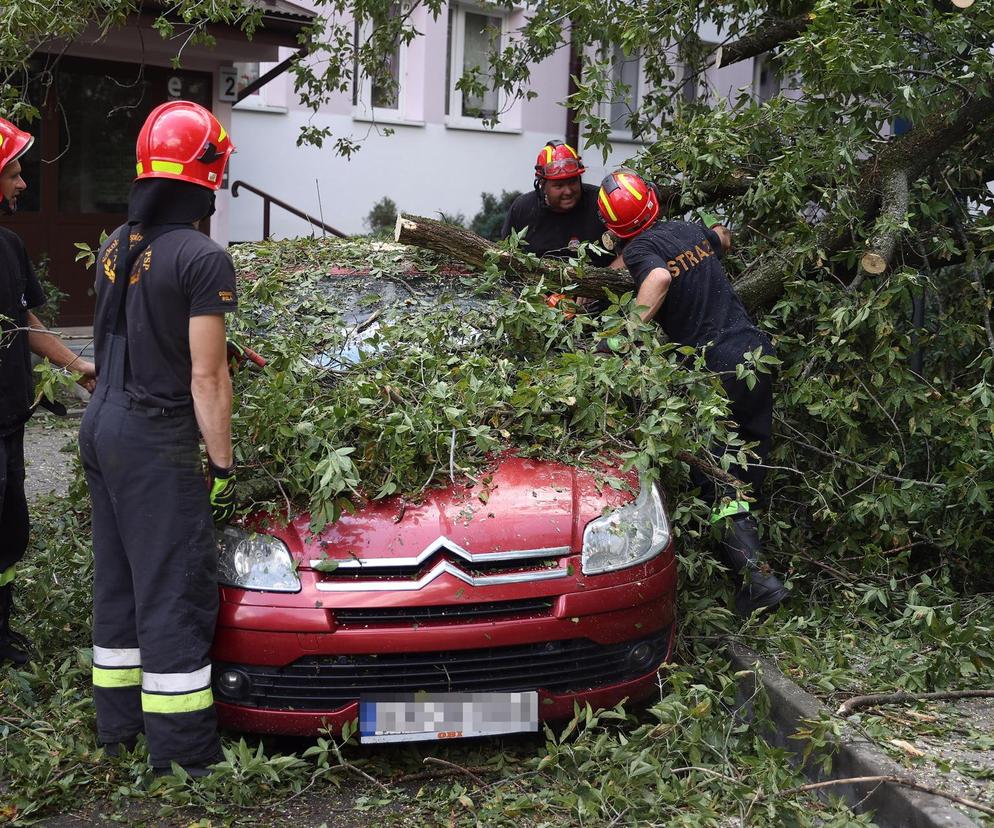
[475, 251]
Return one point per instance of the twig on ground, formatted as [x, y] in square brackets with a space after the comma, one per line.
[847, 708]
[347, 765]
[441, 773]
[350, 767]
[432, 760]
[896, 780]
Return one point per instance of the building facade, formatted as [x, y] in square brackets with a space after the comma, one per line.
[440, 156]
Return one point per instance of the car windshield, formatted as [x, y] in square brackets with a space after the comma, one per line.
[365, 304]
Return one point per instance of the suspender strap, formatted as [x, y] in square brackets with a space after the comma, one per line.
[114, 373]
[126, 258]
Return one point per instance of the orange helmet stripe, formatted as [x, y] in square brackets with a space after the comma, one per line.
[623, 181]
[606, 204]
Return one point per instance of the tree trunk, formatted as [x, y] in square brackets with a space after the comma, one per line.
[471, 249]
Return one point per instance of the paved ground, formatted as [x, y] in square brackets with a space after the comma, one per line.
[49, 449]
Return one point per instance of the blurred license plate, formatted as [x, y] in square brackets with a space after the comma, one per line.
[409, 717]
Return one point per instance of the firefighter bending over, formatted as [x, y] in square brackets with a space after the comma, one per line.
[683, 288]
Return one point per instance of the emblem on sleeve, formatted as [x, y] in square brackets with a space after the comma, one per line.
[226, 295]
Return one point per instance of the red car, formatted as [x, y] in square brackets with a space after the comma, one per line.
[554, 587]
[481, 610]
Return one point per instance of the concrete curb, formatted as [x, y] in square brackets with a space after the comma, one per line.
[893, 806]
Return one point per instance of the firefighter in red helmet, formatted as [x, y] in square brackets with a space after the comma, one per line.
[21, 334]
[561, 211]
[683, 288]
[163, 289]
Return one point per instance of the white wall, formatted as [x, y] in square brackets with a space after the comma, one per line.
[424, 169]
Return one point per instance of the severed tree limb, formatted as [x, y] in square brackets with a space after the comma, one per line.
[763, 283]
[850, 706]
[895, 780]
[914, 152]
[475, 250]
[893, 214]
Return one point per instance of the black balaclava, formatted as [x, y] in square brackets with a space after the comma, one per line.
[167, 201]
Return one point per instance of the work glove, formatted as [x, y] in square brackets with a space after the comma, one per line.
[610, 345]
[222, 483]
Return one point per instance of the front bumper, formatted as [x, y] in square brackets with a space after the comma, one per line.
[553, 706]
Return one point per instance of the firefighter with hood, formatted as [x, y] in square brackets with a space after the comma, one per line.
[21, 334]
[561, 211]
[683, 288]
[163, 289]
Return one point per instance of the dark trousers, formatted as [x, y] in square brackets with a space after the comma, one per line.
[752, 414]
[14, 523]
[155, 597]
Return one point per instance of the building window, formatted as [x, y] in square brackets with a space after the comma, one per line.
[473, 34]
[383, 97]
[625, 91]
[271, 96]
[766, 81]
[248, 73]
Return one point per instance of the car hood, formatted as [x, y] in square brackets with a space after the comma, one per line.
[518, 505]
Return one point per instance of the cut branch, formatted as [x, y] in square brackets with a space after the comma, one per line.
[850, 706]
[890, 224]
[913, 152]
[894, 780]
[474, 250]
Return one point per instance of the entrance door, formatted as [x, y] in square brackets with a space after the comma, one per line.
[83, 162]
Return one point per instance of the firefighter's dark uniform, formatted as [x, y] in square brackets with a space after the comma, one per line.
[19, 292]
[702, 310]
[154, 588]
[558, 235]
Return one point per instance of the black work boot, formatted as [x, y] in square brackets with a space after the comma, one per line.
[743, 552]
[12, 645]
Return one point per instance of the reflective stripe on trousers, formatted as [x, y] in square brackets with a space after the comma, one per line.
[117, 666]
[177, 692]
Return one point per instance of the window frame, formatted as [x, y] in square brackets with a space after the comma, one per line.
[272, 97]
[363, 109]
[625, 133]
[454, 119]
[761, 62]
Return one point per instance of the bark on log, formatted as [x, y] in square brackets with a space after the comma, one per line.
[894, 213]
[474, 250]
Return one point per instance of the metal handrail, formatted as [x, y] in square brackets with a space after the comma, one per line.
[268, 200]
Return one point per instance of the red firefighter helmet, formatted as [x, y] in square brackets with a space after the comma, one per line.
[14, 142]
[556, 161]
[183, 141]
[627, 204]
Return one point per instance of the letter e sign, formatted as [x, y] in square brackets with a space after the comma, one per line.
[227, 84]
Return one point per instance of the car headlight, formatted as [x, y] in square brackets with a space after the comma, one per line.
[627, 536]
[252, 561]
